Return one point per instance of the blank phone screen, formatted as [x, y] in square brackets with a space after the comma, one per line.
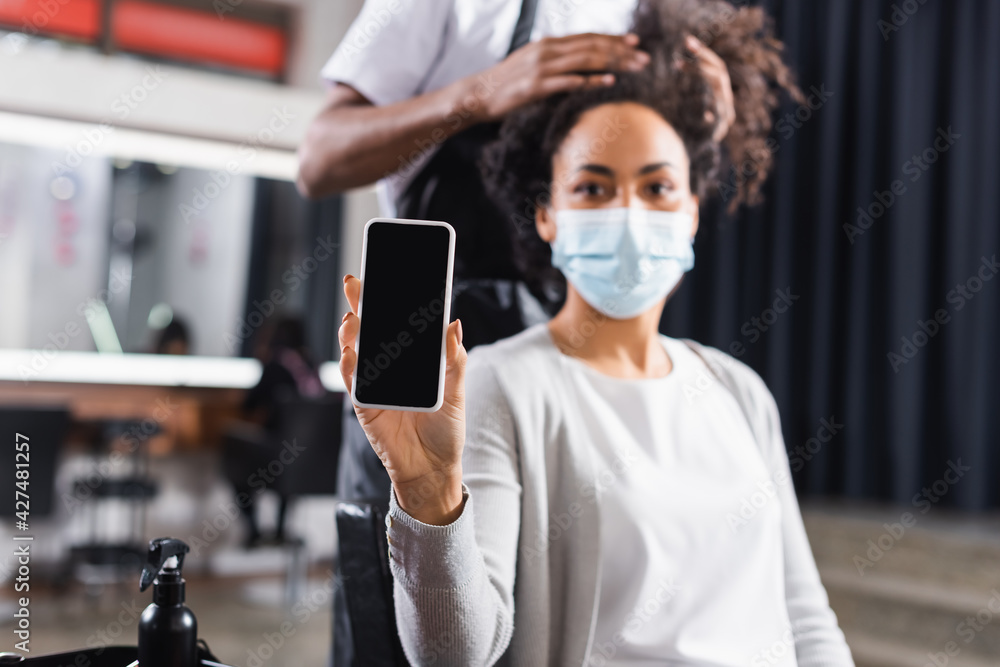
[402, 313]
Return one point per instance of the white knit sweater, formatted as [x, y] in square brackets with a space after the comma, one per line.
[504, 584]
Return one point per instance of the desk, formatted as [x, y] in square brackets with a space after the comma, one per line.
[190, 398]
[188, 417]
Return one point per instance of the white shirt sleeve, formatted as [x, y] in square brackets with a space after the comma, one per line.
[390, 48]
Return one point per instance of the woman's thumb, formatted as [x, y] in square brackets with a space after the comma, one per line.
[456, 354]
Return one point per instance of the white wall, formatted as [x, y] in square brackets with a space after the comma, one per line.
[15, 247]
[57, 247]
[321, 26]
[206, 258]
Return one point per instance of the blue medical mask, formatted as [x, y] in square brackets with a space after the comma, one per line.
[622, 260]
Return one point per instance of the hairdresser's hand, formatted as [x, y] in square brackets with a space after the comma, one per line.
[715, 72]
[547, 66]
[421, 451]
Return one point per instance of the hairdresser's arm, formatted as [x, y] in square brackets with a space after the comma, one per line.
[353, 142]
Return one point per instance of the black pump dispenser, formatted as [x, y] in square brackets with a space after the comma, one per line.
[168, 631]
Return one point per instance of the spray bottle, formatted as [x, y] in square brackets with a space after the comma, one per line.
[168, 631]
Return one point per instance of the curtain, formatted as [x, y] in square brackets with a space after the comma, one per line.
[865, 290]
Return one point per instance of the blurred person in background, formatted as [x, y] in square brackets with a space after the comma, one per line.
[288, 372]
[175, 338]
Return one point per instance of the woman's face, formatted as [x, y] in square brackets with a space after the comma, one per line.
[620, 155]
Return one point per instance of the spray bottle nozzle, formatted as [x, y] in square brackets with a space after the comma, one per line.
[164, 553]
[168, 630]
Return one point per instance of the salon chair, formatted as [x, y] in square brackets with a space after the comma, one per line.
[313, 426]
[367, 580]
[113, 546]
[45, 429]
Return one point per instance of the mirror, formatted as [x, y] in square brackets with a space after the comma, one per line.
[113, 255]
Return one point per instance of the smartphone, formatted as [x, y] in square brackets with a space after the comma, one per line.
[404, 309]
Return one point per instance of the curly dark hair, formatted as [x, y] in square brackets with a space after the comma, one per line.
[517, 167]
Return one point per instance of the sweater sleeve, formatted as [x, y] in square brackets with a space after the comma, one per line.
[454, 584]
[819, 641]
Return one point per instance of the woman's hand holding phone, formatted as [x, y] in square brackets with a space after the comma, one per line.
[421, 451]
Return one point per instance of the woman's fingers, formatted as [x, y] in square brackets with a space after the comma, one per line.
[455, 353]
[348, 332]
[347, 366]
[455, 359]
[352, 290]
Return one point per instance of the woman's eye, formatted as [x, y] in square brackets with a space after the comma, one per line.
[589, 189]
[661, 188]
